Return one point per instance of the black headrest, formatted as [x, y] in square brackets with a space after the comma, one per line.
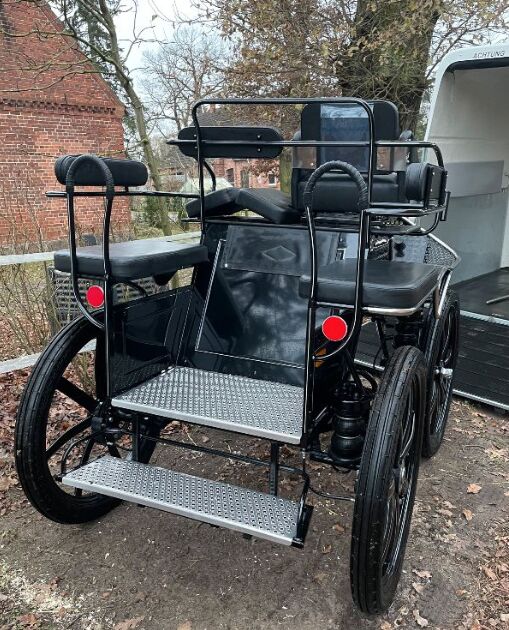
[125, 172]
[316, 119]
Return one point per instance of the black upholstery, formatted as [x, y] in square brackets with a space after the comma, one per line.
[335, 192]
[217, 203]
[387, 284]
[125, 172]
[236, 134]
[134, 259]
[270, 203]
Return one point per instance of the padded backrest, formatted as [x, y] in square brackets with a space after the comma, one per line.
[125, 172]
[348, 122]
[344, 122]
[236, 135]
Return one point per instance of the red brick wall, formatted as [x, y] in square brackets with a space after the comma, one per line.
[224, 166]
[47, 109]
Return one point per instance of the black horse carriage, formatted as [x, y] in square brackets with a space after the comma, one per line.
[263, 341]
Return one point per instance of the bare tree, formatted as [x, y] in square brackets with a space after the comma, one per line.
[179, 72]
[89, 26]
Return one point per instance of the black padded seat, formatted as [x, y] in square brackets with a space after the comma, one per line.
[387, 284]
[336, 192]
[134, 259]
[270, 203]
[218, 202]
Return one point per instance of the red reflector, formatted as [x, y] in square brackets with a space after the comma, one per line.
[334, 328]
[95, 296]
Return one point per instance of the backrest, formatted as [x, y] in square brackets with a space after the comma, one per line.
[348, 122]
[345, 122]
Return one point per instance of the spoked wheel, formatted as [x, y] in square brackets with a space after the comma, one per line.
[387, 480]
[53, 425]
[441, 351]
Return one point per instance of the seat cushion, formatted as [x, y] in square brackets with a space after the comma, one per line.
[270, 203]
[134, 259]
[387, 284]
[217, 203]
[336, 192]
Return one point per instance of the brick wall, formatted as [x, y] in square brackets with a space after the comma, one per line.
[51, 103]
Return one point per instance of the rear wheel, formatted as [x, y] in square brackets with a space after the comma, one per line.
[441, 352]
[53, 425]
[387, 481]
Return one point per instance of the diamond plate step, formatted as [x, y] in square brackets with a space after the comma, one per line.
[225, 401]
[261, 515]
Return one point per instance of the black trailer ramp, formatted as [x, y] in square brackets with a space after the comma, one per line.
[483, 364]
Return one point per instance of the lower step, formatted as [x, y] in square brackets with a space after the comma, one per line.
[261, 515]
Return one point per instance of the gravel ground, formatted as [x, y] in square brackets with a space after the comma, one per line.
[142, 569]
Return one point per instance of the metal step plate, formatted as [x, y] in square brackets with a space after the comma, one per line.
[225, 401]
[256, 513]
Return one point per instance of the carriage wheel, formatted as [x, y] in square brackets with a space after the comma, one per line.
[53, 425]
[387, 480]
[441, 352]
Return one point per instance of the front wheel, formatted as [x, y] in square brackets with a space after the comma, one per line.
[387, 481]
[53, 425]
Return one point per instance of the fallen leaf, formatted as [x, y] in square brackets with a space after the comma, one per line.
[6, 483]
[28, 620]
[449, 505]
[338, 528]
[386, 626]
[468, 514]
[418, 587]
[473, 488]
[445, 512]
[184, 626]
[205, 439]
[320, 578]
[128, 624]
[326, 548]
[489, 573]
[421, 621]
[423, 574]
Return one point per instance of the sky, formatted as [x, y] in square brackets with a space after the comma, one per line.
[159, 26]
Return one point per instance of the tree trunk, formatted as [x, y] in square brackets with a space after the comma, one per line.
[389, 53]
[139, 115]
[148, 152]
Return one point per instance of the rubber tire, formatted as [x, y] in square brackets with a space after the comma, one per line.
[41, 489]
[431, 442]
[370, 592]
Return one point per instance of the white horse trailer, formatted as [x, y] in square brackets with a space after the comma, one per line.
[469, 119]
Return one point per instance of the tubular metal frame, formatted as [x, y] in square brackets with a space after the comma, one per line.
[372, 209]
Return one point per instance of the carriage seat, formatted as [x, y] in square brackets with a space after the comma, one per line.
[270, 203]
[387, 284]
[134, 259]
[336, 192]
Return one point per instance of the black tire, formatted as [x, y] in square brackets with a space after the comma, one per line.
[441, 353]
[44, 492]
[385, 493]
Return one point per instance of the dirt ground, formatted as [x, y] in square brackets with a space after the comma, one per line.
[142, 569]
